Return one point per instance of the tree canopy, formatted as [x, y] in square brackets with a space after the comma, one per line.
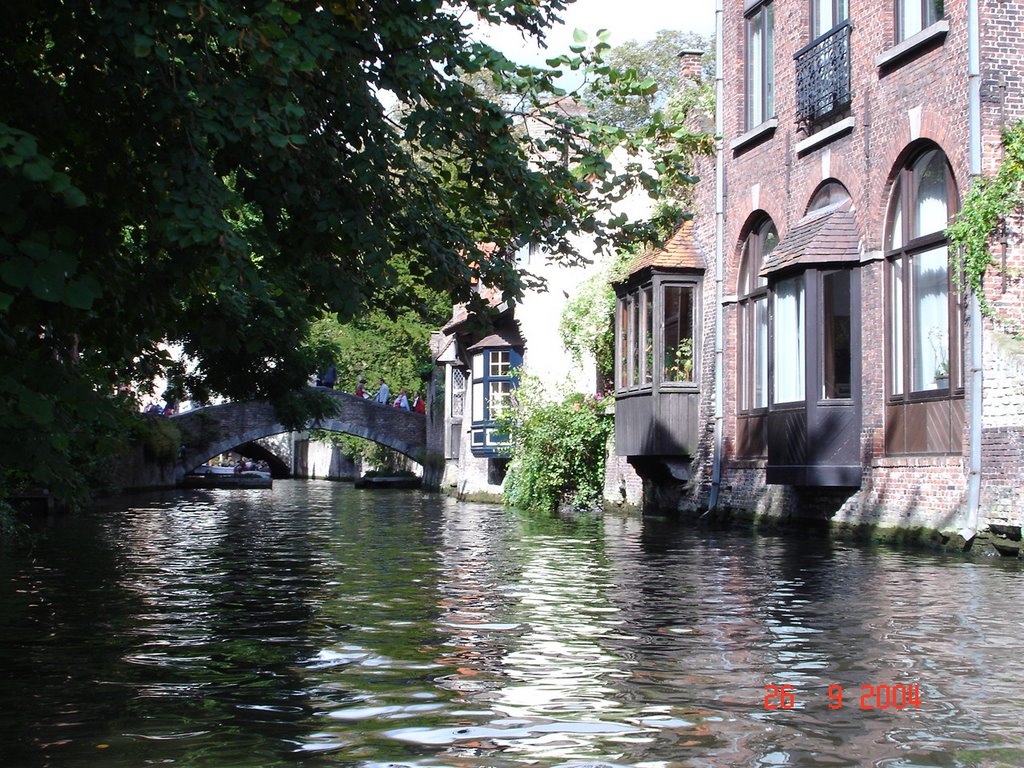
[655, 61]
[222, 174]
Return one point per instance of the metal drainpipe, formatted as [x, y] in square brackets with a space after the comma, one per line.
[716, 466]
[974, 308]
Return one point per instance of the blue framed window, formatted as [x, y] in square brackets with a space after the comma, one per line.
[493, 384]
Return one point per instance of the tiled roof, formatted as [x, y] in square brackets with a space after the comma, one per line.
[828, 235]
[679, 252]
[503, 337]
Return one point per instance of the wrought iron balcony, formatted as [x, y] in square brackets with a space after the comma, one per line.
[823, 77]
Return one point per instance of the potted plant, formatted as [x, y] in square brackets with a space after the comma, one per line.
[679, 362]
[939, 341]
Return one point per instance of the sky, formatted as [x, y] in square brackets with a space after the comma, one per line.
[626, 19]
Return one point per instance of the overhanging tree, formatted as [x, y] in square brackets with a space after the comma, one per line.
[220, 174]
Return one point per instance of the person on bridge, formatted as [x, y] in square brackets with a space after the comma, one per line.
[402, 401]
[361, 390]
[383, 394]
[418, 403]
[330, 377]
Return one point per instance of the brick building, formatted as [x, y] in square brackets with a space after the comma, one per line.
[836, 368]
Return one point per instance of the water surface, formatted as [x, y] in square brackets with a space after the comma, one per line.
[319, 625]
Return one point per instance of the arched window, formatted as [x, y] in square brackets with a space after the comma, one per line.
[752, 341]
[924, 314]
[753, 318]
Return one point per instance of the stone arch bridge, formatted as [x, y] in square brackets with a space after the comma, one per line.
[210, 431]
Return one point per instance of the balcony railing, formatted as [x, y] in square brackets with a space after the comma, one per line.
[823, 77]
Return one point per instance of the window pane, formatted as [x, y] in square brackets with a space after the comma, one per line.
[896, 340]
[835, 327]
[910, 18]
[789, 340]
[634, 340]
[930, 297]
[755, 73]
[932, 213]
[915, 15]
[498, 398]
[769, 62]
[478, 365]
[822, 17]
[760, 356]
[478, 401]
[623, 342]
[677, 328]
[894, 238]
[647, 363]
[499, 363]
[458, 392]
[760, 66]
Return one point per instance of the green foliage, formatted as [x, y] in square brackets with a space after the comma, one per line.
[989, 204]
[558, 449]
[587, 325]
[656, 62]
[221, 175]
[11, 528]
[384, 459]
[160, 437]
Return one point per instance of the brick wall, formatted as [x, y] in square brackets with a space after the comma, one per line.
[921, 97]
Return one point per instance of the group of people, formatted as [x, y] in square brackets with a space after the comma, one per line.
[329, 379]
[383, 397]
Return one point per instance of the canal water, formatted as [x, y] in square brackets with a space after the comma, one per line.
[320, 625]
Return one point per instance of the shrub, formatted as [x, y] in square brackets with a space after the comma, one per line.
[558, 450]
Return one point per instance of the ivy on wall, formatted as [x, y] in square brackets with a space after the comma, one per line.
[991, 201]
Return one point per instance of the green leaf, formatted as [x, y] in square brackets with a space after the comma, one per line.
[36, 407]
[16, 272]
[143, 45]
[38, 170]
[579, 36]
[82, 292]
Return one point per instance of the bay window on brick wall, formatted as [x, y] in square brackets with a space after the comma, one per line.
[658, 363]
[925, 376]
[656, 334]
[912, 16]
[760, 63]
[813, 423]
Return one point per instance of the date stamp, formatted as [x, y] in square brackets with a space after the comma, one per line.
[871, 696]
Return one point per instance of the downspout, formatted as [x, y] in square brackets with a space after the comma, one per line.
[716, 461]
[970, 528]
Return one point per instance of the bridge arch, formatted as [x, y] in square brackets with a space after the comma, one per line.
[213, 430]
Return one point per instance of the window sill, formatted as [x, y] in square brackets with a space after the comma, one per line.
[763, 132]
[898, 54]
[826, 136]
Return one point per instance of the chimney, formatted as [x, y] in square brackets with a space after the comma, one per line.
[691, 64]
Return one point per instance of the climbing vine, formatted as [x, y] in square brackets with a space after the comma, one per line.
[991, 201]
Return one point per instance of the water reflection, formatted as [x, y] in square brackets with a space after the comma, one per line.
[332, 626]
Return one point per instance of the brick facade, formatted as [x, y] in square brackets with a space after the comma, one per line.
[899, 104]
